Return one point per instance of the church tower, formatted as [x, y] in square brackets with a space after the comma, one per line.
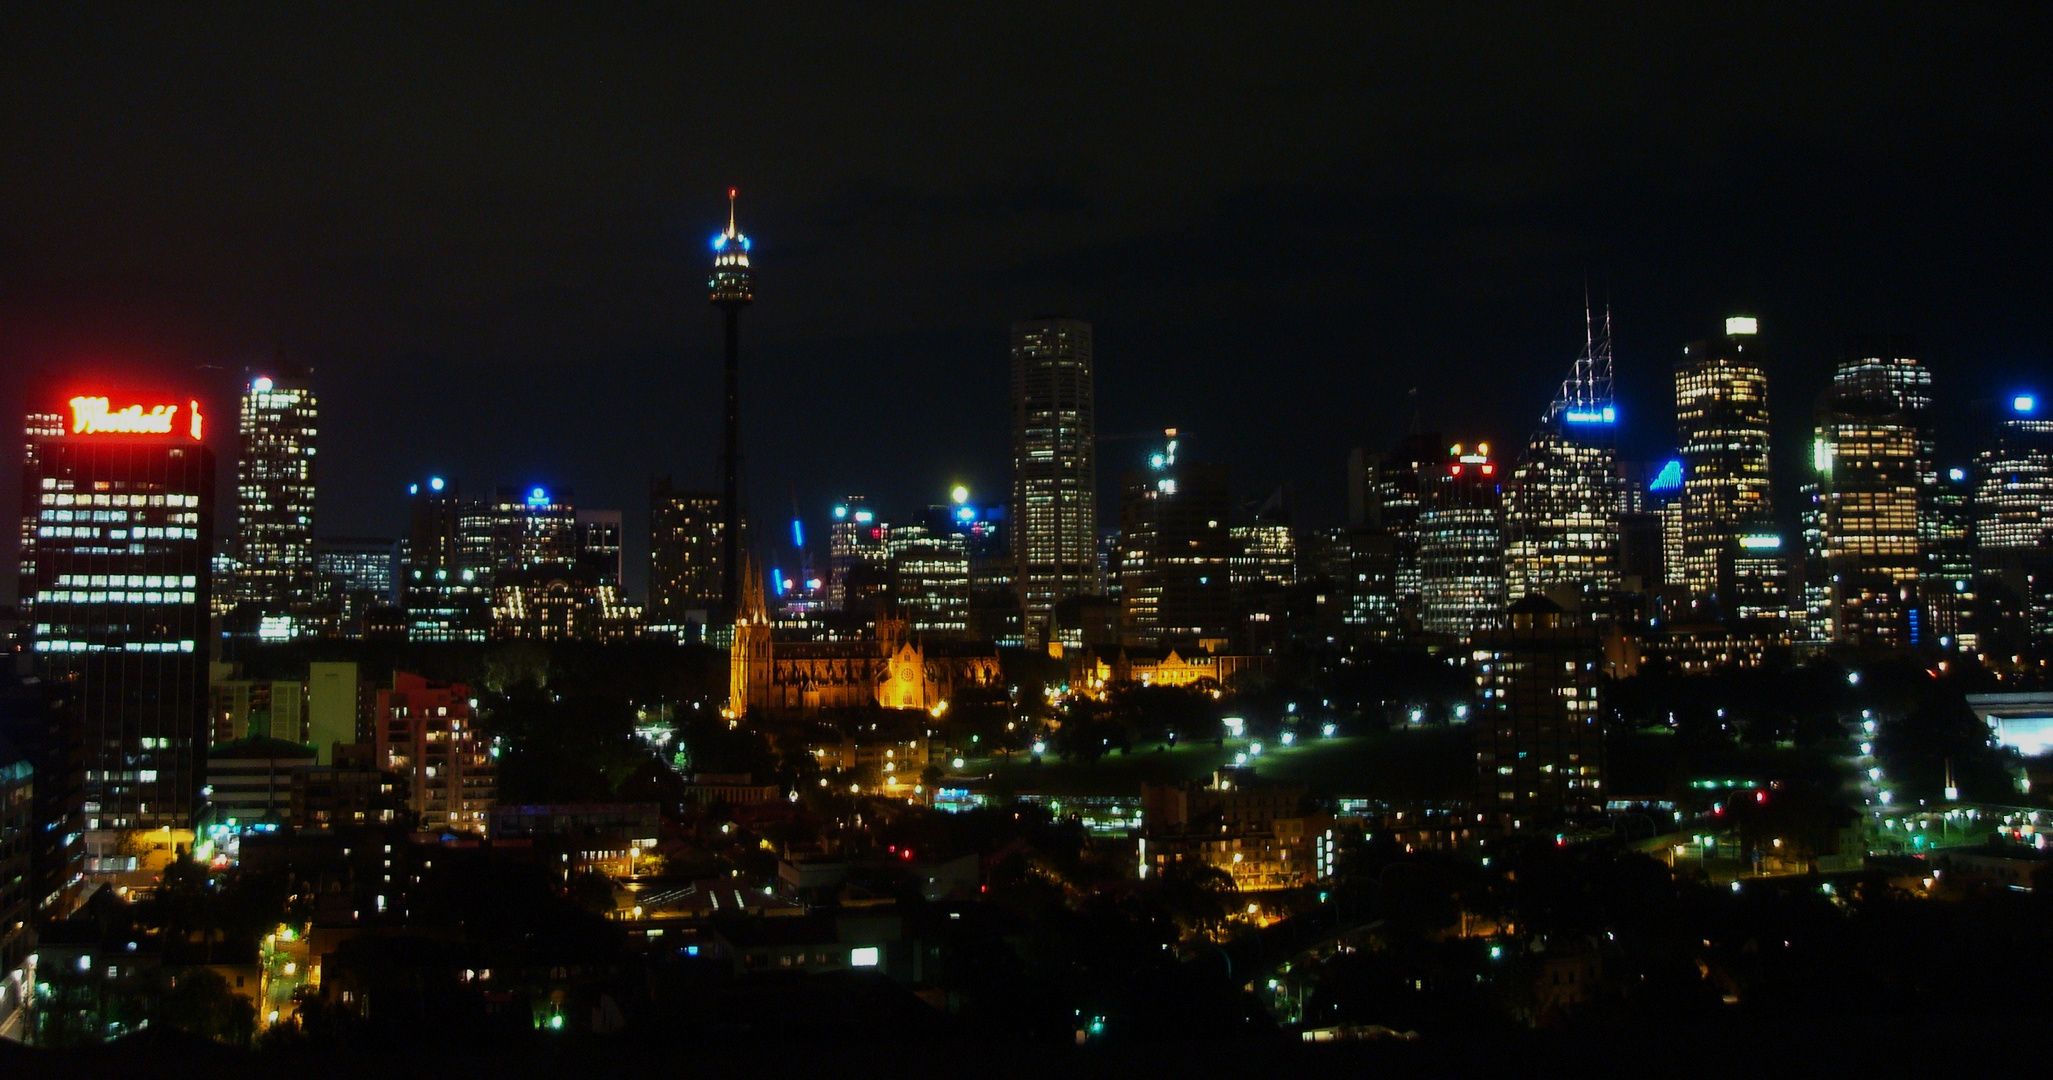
[749, 659]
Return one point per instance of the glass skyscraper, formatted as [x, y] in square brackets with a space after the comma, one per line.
[1721, 426]
[123, 501]
[1054, 469]
[1872, 454]
[1561, 510]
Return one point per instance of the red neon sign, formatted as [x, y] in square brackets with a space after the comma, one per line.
[97, 416]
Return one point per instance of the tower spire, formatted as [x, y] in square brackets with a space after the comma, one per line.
[731, 193]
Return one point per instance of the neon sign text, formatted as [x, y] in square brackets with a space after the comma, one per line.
[95, 416]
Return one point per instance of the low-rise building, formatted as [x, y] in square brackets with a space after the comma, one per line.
[615, 839]
[425, 731]
[734, 789]
[250, 781]
[350, 792]
[1263, 835]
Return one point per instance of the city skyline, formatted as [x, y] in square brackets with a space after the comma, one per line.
[1335, 538]
[1430, 242]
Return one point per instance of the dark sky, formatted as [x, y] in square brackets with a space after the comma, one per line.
[486, 225]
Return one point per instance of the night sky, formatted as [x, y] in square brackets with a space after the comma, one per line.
[486, 226]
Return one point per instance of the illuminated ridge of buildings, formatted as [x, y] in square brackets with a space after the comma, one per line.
[1561, 510]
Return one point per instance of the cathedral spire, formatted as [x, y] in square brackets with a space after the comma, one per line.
[750, 608]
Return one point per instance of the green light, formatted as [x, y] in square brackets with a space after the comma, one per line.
[556, 1023]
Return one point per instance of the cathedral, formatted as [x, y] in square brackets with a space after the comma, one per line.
[892, 669]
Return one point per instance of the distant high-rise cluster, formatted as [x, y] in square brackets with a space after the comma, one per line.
[519, 564]
[1884, 549]
[1539, 573]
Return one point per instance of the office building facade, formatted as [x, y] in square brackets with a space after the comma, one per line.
[2014, 525]
[930, 580]
[685, 552]
[1175, 554]
[1054, 469]
[124, 507]
[1461, 545]
[1872, 452]
[1721, 422]
[1540, 733]
[424, 731]
[273, 546]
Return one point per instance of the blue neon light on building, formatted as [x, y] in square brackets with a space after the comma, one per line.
[1669, 478]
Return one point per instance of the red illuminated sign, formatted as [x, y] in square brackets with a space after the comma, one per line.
[97, 416]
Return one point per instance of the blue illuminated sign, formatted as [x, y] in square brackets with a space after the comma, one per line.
[1605, 415]
[964, 513]
[538, 497]
[435, 483]
[1669, 478]
[2024, 404]
[798, 534]
[841, 511]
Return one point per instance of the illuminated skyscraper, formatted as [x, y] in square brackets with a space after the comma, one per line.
[1721, 422]
[685, 552]
[39, 426]
[353, 575]
[733, 288]
[930, 580]
[1461, 545]
[274, 488]
[2014, 496]
[447, 577]
[1540, 737]
[1175, 553]
[1946, 525]
[1054, 469]
[1872, 454]
[2014, 526]
[1664, 499]
[1561, 509]
[124, 504]
[1264, 557]
[858, 559]
[1394, 486]
[532, 527]
[1761, 595]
